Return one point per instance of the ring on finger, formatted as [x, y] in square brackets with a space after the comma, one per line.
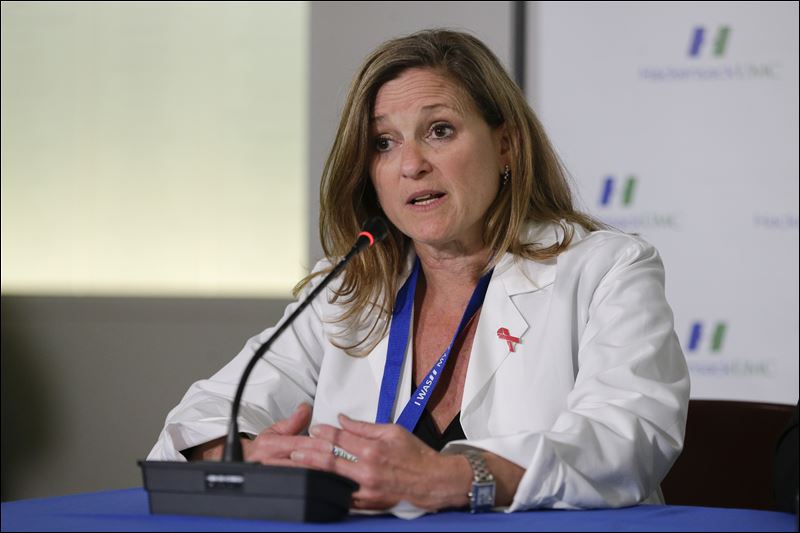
[344, 454]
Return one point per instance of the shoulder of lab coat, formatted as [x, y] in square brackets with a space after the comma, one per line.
[592, 402]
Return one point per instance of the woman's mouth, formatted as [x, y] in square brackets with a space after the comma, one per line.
[425, 198]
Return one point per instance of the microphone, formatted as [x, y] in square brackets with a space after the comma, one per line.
[234, 488]
[374, 230]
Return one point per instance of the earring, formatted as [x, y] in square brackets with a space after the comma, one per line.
[506, 174]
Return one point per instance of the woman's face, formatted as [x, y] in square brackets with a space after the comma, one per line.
[436, 163]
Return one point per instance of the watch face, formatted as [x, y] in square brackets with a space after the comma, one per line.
[482, 496]
[485, 496]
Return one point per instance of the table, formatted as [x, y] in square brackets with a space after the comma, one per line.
[127, 510]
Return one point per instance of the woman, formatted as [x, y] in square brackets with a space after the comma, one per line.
[529, 343]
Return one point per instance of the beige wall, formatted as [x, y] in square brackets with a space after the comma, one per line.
[154, 148]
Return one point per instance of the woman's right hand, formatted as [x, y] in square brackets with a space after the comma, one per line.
[271, 446]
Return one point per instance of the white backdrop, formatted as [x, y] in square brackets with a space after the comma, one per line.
[679, 121]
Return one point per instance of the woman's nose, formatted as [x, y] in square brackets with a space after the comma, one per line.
[413, 164]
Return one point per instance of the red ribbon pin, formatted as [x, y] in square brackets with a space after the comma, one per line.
[503, 334]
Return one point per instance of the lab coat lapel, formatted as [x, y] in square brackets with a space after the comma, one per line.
[512, 277]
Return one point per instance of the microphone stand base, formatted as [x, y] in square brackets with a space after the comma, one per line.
[246, 490]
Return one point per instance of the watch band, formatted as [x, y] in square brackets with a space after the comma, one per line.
[482, 493]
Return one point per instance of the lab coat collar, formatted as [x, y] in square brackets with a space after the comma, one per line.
[519, 275]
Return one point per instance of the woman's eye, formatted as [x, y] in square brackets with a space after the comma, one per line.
[440, 131]
[382, 144]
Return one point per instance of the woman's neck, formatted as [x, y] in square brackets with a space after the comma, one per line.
[451, 272]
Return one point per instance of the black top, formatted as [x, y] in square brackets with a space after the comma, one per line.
[427, 432]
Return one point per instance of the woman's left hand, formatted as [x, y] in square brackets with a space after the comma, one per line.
[391, 465]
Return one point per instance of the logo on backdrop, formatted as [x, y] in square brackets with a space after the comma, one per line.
[617, 201]
[717, 337]
[707, 59]
[706, 355]
[629, 187]
[700, 39]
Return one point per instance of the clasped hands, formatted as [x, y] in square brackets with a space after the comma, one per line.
[391, 464]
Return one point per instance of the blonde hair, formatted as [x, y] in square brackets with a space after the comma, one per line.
[538, 190]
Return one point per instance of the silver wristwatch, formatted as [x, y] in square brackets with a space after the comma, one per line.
[481, 496]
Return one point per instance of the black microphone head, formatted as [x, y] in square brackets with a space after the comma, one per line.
[376, 227]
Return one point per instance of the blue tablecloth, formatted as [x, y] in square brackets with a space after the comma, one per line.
[126, 510]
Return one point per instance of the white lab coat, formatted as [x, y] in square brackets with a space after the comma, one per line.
[592, 402]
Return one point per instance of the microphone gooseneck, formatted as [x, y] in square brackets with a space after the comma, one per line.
[374, 230]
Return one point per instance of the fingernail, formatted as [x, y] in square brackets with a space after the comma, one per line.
[314, 431]
[297, 456]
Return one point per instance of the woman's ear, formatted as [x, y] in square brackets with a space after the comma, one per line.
[503, 141]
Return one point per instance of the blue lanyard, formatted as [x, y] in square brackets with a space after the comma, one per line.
[398, 340]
